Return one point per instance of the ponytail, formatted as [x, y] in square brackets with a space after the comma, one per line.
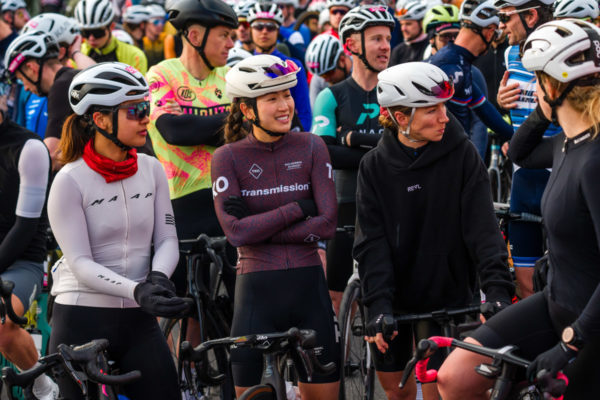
[76, 132]
[234, 124]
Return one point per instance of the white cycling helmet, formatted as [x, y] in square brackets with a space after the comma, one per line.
[265, 11]
[64, 29]
[92, 14]
[156, 11]
[259, 75]
[287, 2]
[322, 54]
[123, 36]
[362, 17]
[341, 3]
[413, 84]
[566, 50]
[481, 14]
[413, 10]
[576, 9]
[13, 5]
[106, 85]
[136, 14]
[242, 9]
[317, 6]
[518, 3]
[36, 44]
[237, 54]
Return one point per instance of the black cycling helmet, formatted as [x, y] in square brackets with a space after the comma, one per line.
[208, 13]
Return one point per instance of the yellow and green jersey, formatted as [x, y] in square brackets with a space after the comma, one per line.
[187, 167]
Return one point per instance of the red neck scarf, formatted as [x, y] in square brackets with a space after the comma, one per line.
[109, 169]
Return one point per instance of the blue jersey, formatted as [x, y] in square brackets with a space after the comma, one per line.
[36, 114]
[456, 62]
[526, 80]
[299, 93]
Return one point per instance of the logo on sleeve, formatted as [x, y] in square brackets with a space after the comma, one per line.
[255, 171]
[220, 185]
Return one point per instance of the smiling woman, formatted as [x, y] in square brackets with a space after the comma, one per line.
[275, 199]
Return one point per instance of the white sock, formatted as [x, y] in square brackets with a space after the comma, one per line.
[42, 385]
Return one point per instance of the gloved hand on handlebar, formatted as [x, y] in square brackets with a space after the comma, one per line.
[497, 299]
[381, 330]
[160, 279]
[551, 361]
[158, 301]
[309, 207]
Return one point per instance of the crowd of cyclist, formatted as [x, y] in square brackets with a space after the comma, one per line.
[131, 125]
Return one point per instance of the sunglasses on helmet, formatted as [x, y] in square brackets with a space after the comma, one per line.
[285, 68]
[443, 90]
[269, 26]
[96, 33]
[137, 111]
[504, 17]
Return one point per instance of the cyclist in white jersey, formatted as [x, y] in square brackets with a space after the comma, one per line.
[107, 207]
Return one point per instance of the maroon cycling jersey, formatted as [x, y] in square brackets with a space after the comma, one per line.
[270, 177]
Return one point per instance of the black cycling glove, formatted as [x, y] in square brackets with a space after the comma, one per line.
[158, 301]
[498, 299]
[551, 361]
[236, 206]
[384, 324]
[308, 206]
[160, 279]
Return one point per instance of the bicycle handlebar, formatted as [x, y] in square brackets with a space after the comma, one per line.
[6, 308]
[427, 347]
[502, 210]
[87, 356]
[437, 315]
[203, 242]
[302, 342]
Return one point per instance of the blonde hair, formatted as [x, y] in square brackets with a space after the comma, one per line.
[385, 119]
[584, 99]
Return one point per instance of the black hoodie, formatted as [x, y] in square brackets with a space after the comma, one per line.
[426, 227]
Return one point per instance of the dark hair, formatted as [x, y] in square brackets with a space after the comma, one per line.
[544, 11]
[234, 124]
[76, 132]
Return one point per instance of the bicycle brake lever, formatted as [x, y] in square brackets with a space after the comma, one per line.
[305, 361]
[74, 374]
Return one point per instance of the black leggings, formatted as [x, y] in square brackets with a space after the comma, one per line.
[534, 325]
[275, 301]
[135, 342]
[339, 250]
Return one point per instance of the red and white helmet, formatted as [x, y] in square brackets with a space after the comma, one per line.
[413, 84]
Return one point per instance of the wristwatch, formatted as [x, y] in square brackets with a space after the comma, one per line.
[571, 337]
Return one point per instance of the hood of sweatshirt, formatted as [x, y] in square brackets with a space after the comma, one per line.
[454, 136]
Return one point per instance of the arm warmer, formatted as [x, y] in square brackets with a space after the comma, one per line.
[342, 157]
[166, 246]
[488, 114]
[192, 130]
[34, 170]
[529, 148]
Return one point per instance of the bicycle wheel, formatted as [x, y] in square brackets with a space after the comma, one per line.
[357, 380]
[259, 392]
